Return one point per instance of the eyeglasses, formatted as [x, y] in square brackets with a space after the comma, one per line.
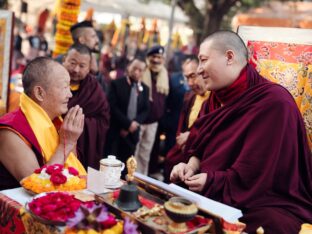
[191, 76]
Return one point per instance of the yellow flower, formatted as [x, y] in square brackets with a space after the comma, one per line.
[117, 229]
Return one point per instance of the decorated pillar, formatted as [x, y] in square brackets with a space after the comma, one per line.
[67, 14]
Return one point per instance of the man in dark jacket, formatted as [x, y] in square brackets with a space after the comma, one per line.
[129, 102]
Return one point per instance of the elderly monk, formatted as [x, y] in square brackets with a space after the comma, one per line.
[88, 94]
[35, 134]
[192, 105]
[250, 150]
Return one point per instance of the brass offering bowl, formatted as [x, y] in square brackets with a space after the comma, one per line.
[180, 210]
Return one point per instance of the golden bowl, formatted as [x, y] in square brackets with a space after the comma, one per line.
[180, 209]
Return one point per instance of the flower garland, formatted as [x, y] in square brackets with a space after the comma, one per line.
[68, 11]
[54, 178]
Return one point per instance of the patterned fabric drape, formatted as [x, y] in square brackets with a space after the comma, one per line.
[291, 66]
[10, 219]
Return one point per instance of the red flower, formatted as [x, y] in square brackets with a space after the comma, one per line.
[38, 170]
[58, 178]
[54, 168]
[73, 171]
[50, 207]
[109, 222]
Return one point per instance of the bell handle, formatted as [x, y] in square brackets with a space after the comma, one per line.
[122, 166]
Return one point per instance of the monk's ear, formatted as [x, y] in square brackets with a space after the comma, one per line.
[64, 58]
[230, 57]
[39, 93]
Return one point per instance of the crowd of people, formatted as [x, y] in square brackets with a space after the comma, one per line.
[217, 114]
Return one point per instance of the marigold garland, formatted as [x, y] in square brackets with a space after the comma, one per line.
[54, 178]
[67, 16]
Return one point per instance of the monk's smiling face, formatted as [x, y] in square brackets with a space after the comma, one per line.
[215, 66]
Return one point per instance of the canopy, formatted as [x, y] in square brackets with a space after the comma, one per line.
[151, 9]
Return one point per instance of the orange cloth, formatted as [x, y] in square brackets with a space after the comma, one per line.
[289, 65]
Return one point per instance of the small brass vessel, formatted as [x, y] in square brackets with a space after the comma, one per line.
[180, 210]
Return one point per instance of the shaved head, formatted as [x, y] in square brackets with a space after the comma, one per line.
[78, 32]
[227, 40]
[37, 72]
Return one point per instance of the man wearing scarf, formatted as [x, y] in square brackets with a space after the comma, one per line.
[156, 79]
[250, 149]
[35, 134]
[192, 104]
[88, 94]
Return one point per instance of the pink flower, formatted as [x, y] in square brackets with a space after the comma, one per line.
[58, 178]
[95, 217]
[130, 227]
[73, 171]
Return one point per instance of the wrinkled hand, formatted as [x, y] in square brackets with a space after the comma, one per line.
[72, 126]
[182, 138]
[133, 126]
[196, 182]
[182, 172]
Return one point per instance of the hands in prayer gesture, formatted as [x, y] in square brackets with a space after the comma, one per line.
[72, 127]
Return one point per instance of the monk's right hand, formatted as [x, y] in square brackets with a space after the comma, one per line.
[181, 172]
[72, 126]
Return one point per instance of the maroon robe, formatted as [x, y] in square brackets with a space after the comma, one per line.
[91, 98]
[254, 150]
[16, 120]
[175, 154]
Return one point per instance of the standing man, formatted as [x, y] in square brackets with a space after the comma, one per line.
[192, 105]
[178, 89]
[84, 33]
[156, 78]
[250, 150]
[88, 94]
[129, 103]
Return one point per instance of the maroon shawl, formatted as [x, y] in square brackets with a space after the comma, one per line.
[254, 150]
[175, 155]
[91, 98]
[16, 120]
